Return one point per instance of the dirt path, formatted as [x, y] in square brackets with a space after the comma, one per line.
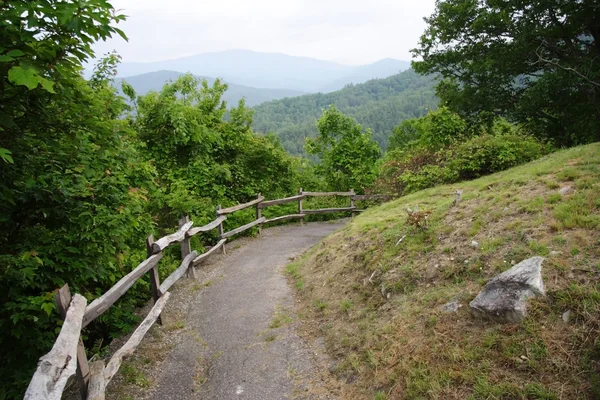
[242, 342]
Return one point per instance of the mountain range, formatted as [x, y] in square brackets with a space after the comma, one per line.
[269, 70]
[154, 81]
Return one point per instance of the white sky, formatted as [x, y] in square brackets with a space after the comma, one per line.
[346, 31]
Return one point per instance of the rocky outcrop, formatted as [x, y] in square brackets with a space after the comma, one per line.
[504, 297]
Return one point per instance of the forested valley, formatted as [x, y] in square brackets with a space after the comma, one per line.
[87, 174]
[379, 104]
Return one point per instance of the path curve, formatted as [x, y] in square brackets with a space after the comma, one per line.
[244, 344]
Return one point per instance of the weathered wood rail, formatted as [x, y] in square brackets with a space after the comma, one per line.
[68, 356]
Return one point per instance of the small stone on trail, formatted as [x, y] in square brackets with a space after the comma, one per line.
[504, 297]
[566, 316]
[451, 307]
[474, 244]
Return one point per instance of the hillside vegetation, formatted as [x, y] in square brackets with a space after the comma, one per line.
[379, 104]
[378, 302]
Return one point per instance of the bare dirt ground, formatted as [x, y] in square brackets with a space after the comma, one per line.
[232, 332]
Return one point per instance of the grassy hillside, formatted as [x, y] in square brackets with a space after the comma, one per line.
[378, 304]
[379, 104]
[154, 81]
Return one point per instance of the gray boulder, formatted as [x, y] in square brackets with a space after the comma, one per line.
[504, 297]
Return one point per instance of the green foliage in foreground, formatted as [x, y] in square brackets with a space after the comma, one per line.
[203, 161]
[81, 187]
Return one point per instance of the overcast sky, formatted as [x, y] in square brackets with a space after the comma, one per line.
[346, 31]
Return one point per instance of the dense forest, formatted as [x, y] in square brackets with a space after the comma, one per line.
[379, 104]
[86, 174]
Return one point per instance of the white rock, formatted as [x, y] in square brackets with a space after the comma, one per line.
[504, 297]
[566, 316]
[566, 190]
[451, 307]
[474, 244]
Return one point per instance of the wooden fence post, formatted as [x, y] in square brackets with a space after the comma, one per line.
[186, 247]
[258, 213]
[300, 206]
[153, 275]
[63, 300]
[97, 387]
[352, 202]
[221, 230]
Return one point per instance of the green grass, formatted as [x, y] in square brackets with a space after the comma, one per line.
[133, 375]
[270, 338]
[280, 319]
[387, 331]
[346, 305]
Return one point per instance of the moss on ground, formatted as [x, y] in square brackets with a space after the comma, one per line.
[378, 303]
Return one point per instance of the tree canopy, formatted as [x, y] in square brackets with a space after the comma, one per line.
[348, 155]
[534, 62]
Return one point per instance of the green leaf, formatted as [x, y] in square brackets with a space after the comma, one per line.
[26, 77]
[48, 307]
[5, 58]
[47, 84]
[15, 53]
[121, 33]
[6, 155]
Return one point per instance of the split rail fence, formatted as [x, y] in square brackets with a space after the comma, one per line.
[68, 356]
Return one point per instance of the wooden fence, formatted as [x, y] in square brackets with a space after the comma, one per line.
[68, 355]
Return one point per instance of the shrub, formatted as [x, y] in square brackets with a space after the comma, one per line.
[418, 167]
[487, 154]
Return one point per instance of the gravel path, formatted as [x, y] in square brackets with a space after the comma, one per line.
[244, 344]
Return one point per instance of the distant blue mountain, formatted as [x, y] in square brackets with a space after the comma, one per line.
[154, 81]
[271, 70]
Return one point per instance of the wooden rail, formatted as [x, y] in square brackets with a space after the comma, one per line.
[315, 194]
[178, 273]
[115, 362]
[56, 367]
[243, 228]
[239, 206]
[178, 236]
[68, 356]
[292, 199]
[284, 217]
[204, 256]
[207, 227]
[102, 303]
